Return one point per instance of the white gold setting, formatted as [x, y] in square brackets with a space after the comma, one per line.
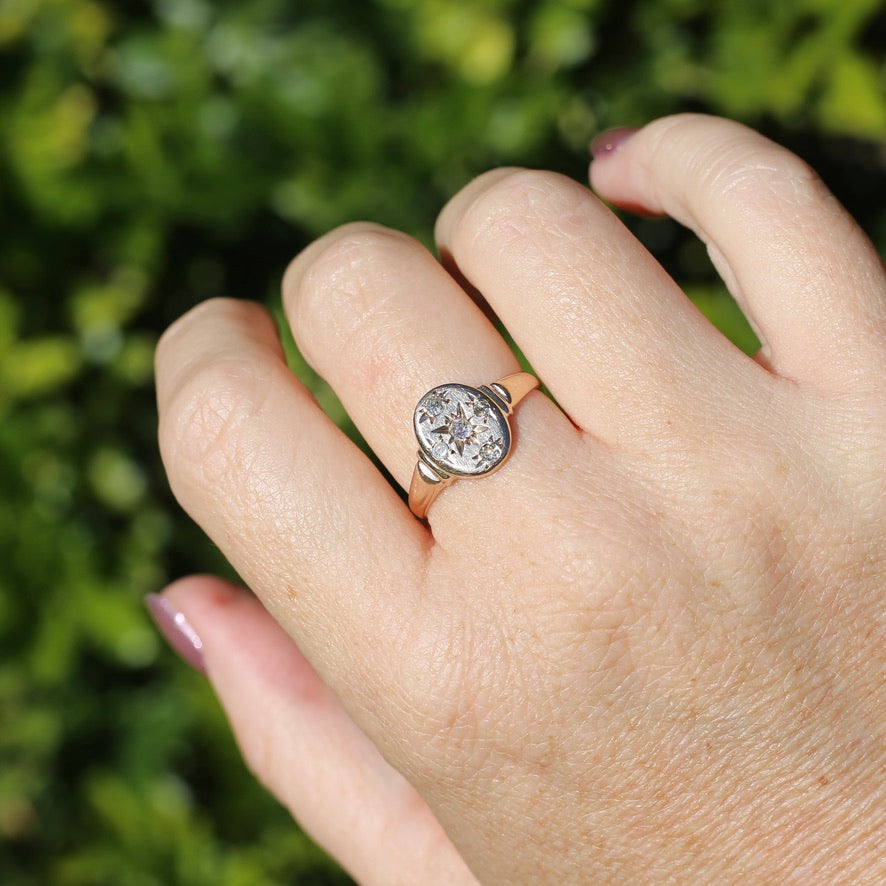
[461, 430]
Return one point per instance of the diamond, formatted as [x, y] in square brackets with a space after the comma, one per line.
[461, 429]
[490, 451]
[434, 405]
[440, 450]
[481, 409]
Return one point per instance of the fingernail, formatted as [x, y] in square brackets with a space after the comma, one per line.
[611, 140]
[178, 630]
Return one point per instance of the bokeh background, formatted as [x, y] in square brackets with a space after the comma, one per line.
[154, 153]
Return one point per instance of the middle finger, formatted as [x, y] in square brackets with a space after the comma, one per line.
[623, 350]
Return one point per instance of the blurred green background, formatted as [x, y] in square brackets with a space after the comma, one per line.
[156, 153]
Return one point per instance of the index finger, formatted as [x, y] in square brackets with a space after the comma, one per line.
[299, 511]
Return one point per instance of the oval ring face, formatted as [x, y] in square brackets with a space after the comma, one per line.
[461, 430]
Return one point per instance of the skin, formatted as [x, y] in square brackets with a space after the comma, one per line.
[650, 649]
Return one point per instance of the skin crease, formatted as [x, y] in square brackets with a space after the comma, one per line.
[650, 649]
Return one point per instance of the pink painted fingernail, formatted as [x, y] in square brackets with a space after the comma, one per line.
[610, 141]
[178, 630]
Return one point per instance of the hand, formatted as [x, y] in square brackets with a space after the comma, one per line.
[650, 648]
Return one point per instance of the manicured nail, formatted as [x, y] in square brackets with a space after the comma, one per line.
[178, 630]
[611, 140]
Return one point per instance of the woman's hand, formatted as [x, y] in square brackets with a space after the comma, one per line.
[651, 647]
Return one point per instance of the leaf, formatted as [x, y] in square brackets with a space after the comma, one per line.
[38, 366]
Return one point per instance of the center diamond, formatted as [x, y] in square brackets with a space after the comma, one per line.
[461, 429]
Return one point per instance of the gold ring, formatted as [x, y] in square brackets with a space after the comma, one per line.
[463, 432]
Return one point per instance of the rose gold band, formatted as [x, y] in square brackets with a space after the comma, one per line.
[428, 480]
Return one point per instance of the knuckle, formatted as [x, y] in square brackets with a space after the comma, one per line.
[686, 127]
[213, 380]
[209, 314]
[512, 206]
[731, 162]
[331, 281]
[203, 430]
[750, 173]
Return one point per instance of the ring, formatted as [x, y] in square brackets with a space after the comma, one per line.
[463, 432]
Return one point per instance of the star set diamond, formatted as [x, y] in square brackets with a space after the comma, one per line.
[461, 430]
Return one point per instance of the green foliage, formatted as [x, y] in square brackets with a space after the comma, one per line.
[156, 153]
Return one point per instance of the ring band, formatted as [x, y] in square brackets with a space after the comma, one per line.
[463, 431]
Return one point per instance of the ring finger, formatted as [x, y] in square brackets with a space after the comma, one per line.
[382, 322]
